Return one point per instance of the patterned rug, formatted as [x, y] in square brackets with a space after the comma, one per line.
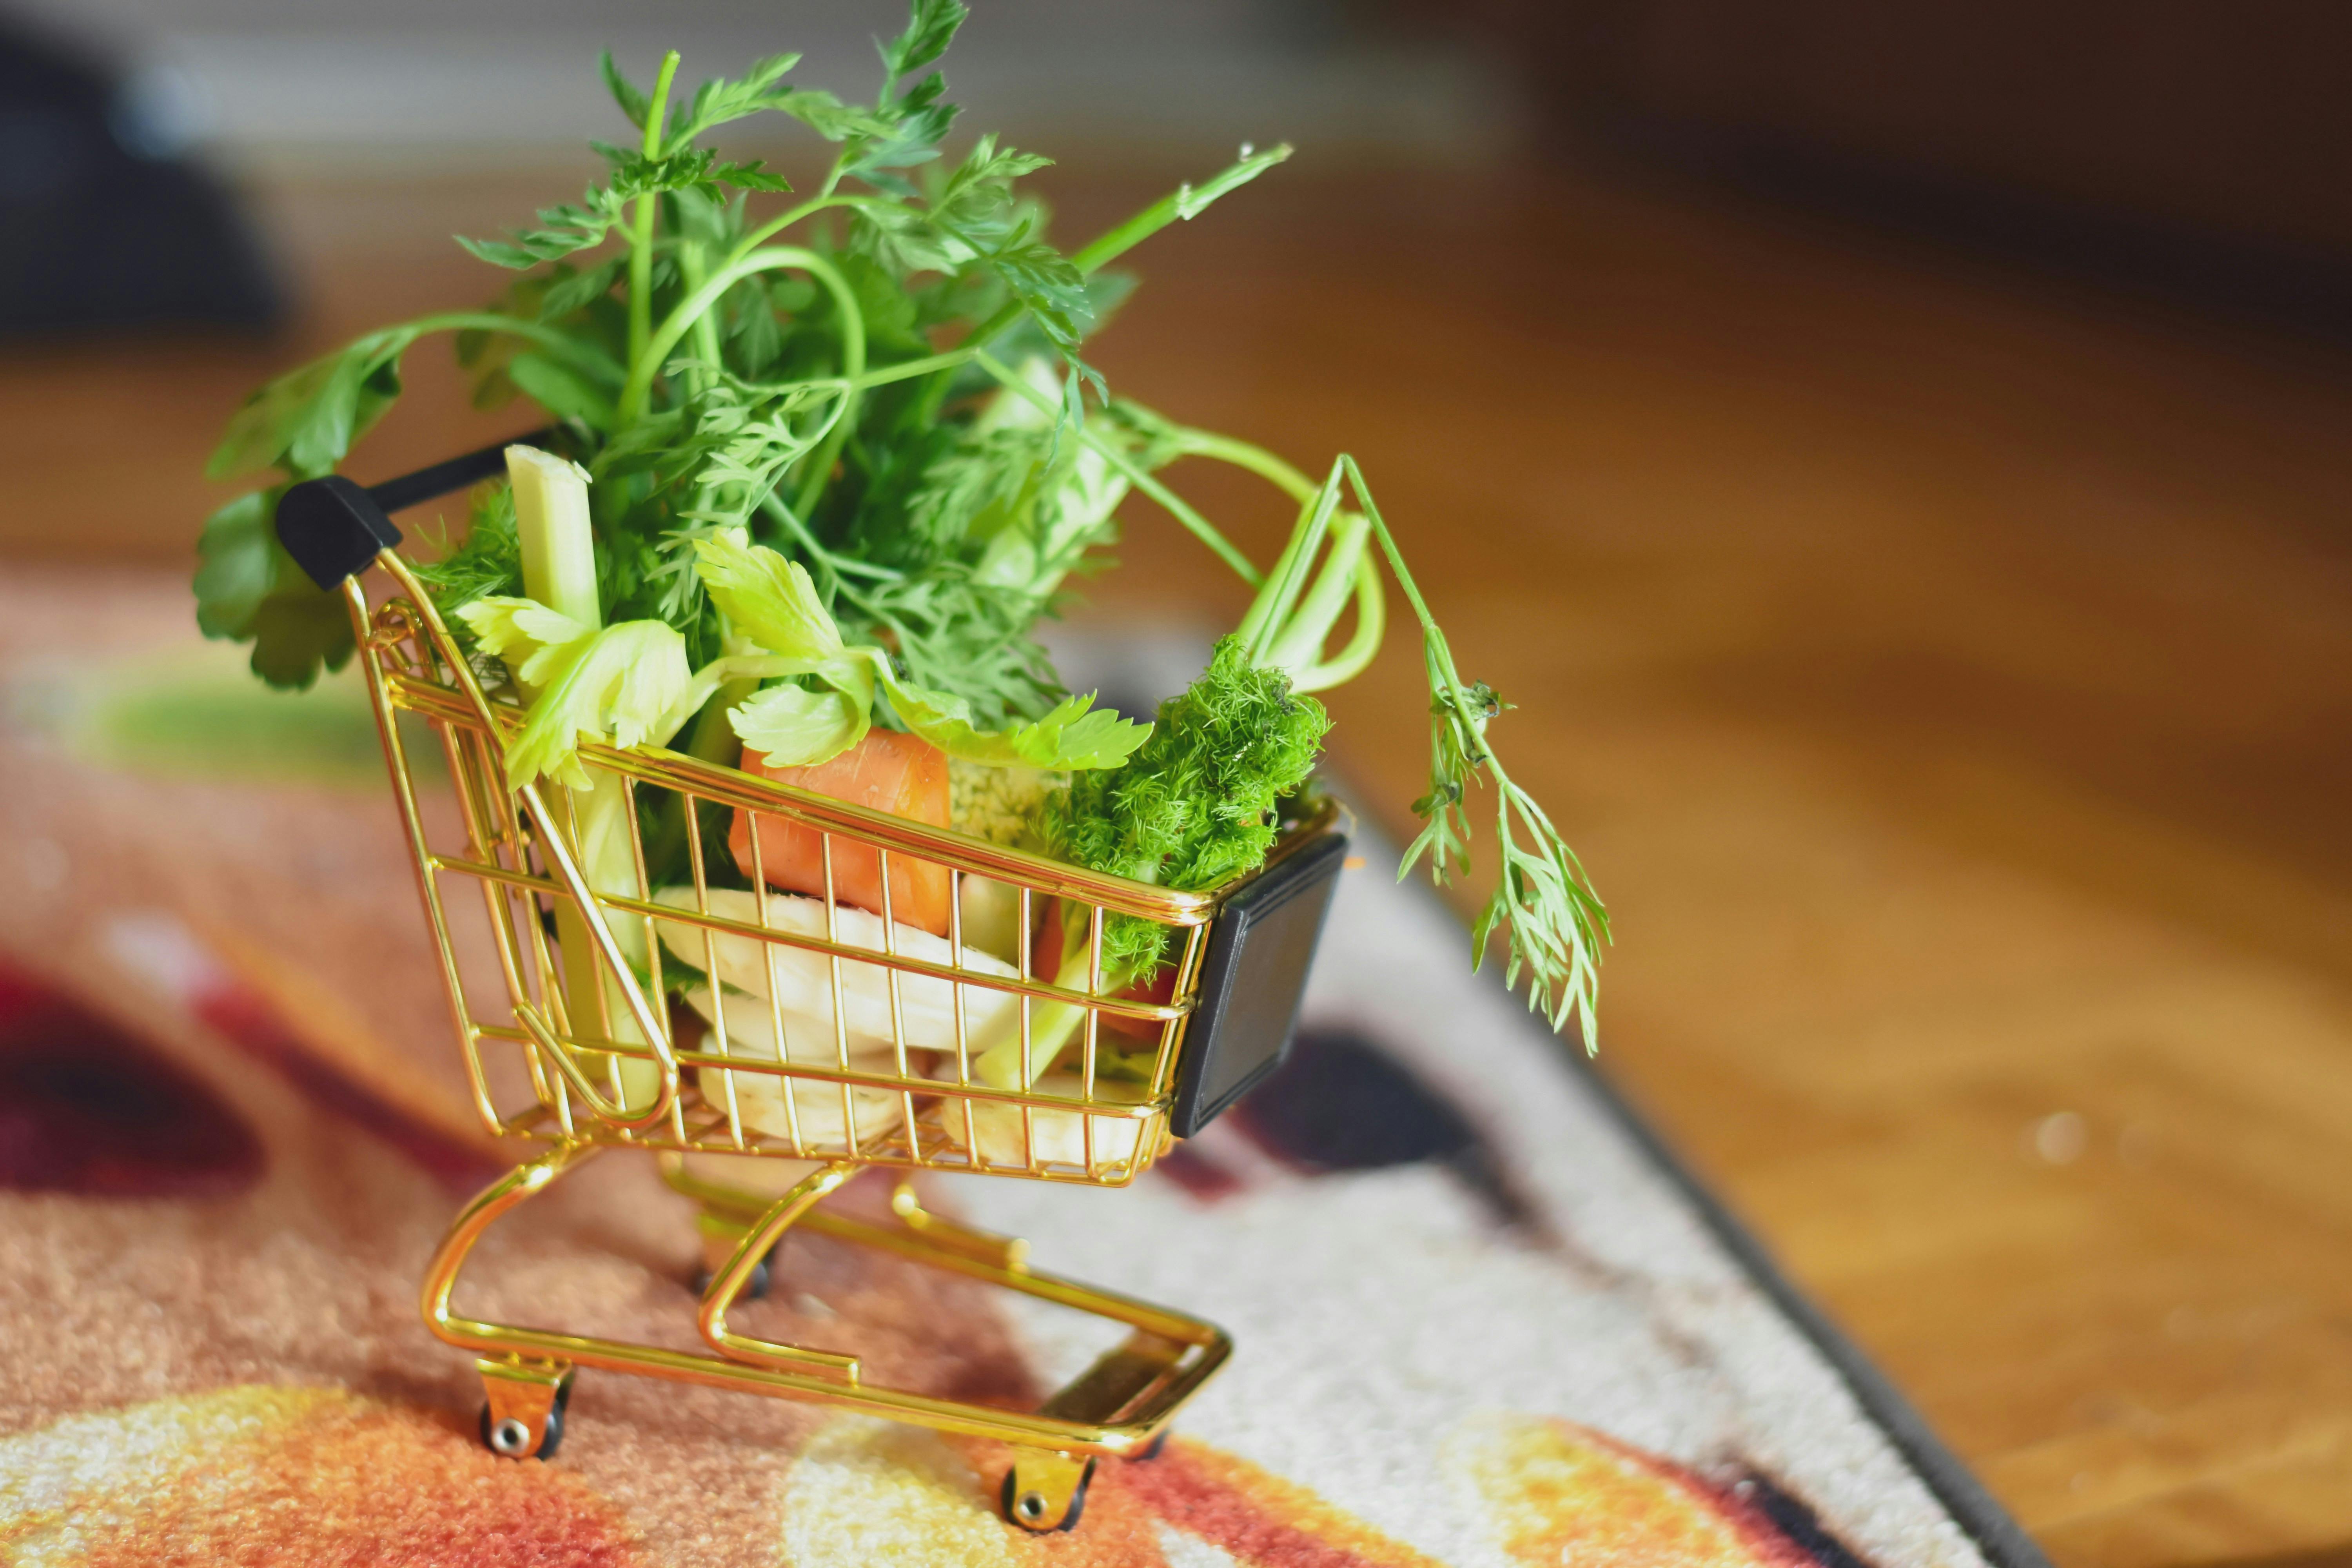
[1482, 1317]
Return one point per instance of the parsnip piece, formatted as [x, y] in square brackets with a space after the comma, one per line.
[759, 1097]
[802, 980]
[1060, 1135]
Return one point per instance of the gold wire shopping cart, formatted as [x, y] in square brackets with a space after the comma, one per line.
[570, 1038]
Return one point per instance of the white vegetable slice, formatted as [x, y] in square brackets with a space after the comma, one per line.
[760, 1095]
[802, 980]
[1060, 1135]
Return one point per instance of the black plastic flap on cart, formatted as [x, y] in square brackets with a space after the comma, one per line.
[1253, 980]
[333, 527]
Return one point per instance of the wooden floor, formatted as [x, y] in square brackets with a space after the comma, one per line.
[1946, 675]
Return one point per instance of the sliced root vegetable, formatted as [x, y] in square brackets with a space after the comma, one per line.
[887, 771]
[760, 1102]
[802, 980]
[760, 1095]
[809, 1040]
[1055, 1137]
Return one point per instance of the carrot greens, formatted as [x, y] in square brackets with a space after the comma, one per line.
[826, 457]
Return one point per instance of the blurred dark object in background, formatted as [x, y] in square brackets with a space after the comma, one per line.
[103, 222]
[2196, 150]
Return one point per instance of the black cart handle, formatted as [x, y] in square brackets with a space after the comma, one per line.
[334, 528]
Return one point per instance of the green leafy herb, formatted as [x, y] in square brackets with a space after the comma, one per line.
[846, 455]
[1195, 805]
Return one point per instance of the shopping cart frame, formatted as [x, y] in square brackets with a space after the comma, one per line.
[1227, 1025]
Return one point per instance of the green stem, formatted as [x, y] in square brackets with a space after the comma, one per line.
[1272, 607]
[1199, 527]
[1242, 455]
[648, 208]
[1185, 202]
[822, 201]
[693, 273]
[1295, 642]
[638, 390]
[1371, 623]
[1396, 561]
[1292, 638]
[819, 472]
[561, 343]
[907, 370]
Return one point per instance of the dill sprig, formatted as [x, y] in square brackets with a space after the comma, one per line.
[1556, 921]
[1195, 804]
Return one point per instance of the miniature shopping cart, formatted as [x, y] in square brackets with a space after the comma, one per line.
[562, 995]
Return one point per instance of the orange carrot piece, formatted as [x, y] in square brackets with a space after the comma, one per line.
[887, 771]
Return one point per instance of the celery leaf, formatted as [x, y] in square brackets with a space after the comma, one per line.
[770, 599]
[534, 640]
[1076, 735]
[796, 727]
[620, 685]
[249, 590]
[306, 420]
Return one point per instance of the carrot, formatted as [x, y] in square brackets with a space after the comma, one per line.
[1045, 951]
[887, 771]
[1160, 988]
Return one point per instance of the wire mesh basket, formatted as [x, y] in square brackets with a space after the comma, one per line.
[875, 1059]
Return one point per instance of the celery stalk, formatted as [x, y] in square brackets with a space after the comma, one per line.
[559, 548]
[1001, 1063]
[559, 570]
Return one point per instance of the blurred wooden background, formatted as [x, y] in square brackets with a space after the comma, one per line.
[1947, 676]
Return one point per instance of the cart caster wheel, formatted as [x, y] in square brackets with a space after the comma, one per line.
[511, 1438]
[1031, 1505]
[755, 1288]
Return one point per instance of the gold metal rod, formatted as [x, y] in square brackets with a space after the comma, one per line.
[734, 789]
[694, 857]
[840, 1014]
[776, 992]
[485, 843]
[1149, 1012]
[758, 1242]
[559, 854]
[824, 1387]
[890, 981]
[387, 729]
[819, 1072]
[1172, 1033]
[568, 1064]
[962, 1032]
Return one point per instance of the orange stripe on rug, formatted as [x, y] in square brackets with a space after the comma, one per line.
[1254, 1515]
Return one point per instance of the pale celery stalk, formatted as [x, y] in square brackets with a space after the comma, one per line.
[559, 548]
[559, 570]
[1002, 1063]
